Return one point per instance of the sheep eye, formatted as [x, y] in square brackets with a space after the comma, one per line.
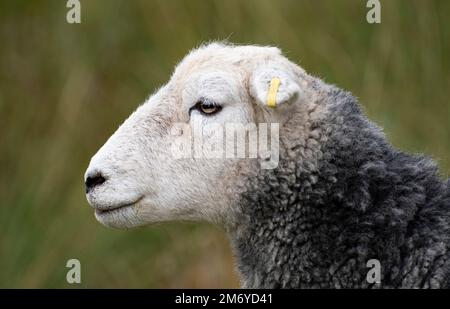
[208, 107]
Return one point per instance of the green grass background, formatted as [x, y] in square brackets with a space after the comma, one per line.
[64, 89]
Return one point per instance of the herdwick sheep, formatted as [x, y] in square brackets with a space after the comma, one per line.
[340, 195]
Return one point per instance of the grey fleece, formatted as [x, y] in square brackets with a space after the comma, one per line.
[316, 223]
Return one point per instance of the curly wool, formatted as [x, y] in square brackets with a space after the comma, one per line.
[342, 195]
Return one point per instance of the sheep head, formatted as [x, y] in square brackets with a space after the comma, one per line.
[138, 178]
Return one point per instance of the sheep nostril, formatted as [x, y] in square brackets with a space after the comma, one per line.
[94, 181]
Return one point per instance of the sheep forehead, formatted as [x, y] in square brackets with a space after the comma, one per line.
[218, 55]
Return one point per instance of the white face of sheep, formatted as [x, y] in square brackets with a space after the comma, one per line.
[136, 178]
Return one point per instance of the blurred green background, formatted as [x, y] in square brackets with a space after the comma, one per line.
[64, 89]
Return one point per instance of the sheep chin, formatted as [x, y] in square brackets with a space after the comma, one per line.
[124, 217]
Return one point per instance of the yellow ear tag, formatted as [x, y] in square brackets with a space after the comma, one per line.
[273, 90]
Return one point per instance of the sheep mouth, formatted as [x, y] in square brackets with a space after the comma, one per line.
[116, 210]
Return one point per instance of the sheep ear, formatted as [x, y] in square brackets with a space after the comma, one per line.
[273, 87]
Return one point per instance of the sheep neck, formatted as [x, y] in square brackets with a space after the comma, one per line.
[316, 222]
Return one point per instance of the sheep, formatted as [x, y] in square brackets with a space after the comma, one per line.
[340, 195]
